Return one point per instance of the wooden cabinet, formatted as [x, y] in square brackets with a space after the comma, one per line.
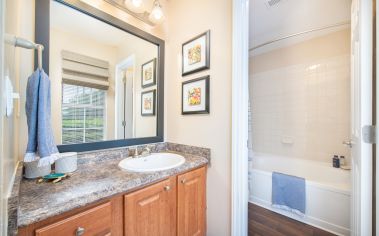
[95, 221]
[175, 206]
[152, 210]
[192, 203]
[166, 210]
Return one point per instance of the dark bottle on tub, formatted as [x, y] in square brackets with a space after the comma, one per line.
[336, 162]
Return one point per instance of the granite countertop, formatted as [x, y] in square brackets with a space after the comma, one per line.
[98, 177]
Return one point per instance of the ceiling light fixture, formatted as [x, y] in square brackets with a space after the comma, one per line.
[156, 15]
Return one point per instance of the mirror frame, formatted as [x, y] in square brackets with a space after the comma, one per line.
[42, 36]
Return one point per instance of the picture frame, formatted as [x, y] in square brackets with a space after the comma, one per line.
[149, 73]
[148, 103]
[195, 96]
[196, 54]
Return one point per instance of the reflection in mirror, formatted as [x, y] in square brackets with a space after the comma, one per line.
[99, 75]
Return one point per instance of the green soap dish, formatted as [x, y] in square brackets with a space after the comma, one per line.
[54, 176]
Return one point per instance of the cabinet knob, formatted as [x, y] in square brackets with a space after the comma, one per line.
[80, 231]
[183, 181]
[167, 188]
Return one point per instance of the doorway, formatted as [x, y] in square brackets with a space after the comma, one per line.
[361, 223]
[124, 105]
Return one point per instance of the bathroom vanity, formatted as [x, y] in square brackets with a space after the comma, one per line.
[175, 206]
[102, 199]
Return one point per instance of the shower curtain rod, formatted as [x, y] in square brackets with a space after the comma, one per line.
[300, 33]
[24, 43]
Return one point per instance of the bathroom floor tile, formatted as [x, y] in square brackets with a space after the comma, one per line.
[263, 222]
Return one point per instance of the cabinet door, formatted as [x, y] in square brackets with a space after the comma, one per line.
[152, 210]
[95, 221]
[192, 203]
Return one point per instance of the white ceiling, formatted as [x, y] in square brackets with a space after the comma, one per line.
[293, 16]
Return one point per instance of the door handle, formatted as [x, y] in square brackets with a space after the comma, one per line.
[348, 143]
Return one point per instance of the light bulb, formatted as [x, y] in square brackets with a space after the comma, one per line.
[156, 15]
[137, 3]
[136, 6]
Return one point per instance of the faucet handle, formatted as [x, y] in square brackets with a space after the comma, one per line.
[146, 150]
[135, 152]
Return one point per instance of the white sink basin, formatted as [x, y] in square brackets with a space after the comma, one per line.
[152, 162]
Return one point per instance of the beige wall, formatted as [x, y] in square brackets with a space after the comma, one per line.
[18, 65]
[187, 19]
[12, 67]
[300, 98]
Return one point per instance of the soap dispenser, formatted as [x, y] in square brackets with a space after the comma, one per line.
[342, 161]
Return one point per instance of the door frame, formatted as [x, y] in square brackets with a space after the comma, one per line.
[129, 61]
[362, 177]
[239, 161]
[240, 98]
[3, 201]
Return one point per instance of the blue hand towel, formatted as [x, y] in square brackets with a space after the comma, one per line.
[288, 193]
[41, 145]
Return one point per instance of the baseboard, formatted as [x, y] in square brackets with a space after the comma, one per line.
[11, 182]
[13, 200]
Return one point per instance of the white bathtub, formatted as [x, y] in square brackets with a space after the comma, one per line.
[327, 190]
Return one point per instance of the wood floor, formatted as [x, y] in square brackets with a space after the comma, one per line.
[263, 222]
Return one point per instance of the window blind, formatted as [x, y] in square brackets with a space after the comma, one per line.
[84, 71]
[83, 114]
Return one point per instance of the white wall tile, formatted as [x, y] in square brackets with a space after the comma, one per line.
[309, 106]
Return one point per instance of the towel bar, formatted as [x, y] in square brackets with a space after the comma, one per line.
[24, 43]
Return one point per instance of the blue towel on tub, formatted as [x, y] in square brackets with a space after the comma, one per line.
[41, 145]
[288, 193]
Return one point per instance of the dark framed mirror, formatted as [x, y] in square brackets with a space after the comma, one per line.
[101, 71]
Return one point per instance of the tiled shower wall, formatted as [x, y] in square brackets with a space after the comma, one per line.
[300, 99]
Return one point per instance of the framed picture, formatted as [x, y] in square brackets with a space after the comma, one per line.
[148, 103]
[195, 96]
[148, 73]
[196, 54]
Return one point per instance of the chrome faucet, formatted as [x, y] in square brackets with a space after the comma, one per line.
[146, 151]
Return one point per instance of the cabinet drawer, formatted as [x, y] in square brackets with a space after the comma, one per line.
[93, 222]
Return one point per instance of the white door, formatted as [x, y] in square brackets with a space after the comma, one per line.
[124, 104]
[361, 115]
[128, 103]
